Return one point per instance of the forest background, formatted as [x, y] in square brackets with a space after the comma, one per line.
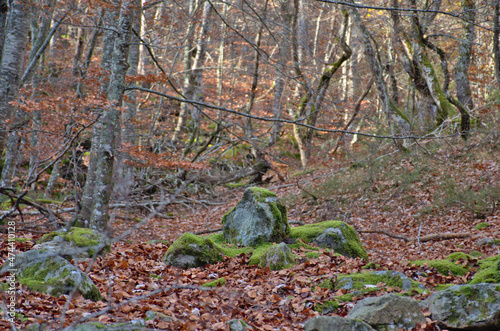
[147, 118]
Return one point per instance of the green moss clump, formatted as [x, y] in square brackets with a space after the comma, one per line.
[351, 248]
[482, 225]
[371, 265]
[82, 237]
[459, 256]
[358, 281]
[489, 271]
[216, 283]
[312, 255]
[444, 267]
[200, 250]
[327, 306]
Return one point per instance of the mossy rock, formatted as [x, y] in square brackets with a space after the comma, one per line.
[44, 271]
[259, 217]
[79, 243]
[368, 281]
[339, 236]
[276, 257]
[191, 251]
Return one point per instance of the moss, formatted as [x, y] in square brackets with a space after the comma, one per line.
[47, 237]
[202, 249]
[476, 254]
[482, 225]
[441, 287]
[459, 256]
[353, 247]
[326, 306]
[216, 283]
[22, 240]
[82, 237]
[258, 253]
[312, 255]
[371, 265]
[444, 267]
[489, 271]
[389, 278]
[225, 216]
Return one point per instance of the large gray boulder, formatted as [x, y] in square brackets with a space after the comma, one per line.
[336, 323]
[44, 271]
[388, 312]
[343, 241]
[257, 218]
[466, 307]
[191, 251]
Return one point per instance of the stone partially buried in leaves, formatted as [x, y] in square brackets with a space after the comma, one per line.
[337, 323]
[389, 312]
[257, 218]
[191, 251]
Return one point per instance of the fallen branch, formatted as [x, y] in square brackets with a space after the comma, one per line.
[429, 237]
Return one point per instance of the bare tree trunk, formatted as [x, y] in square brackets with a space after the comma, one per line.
[255, 75]
[187, 61]
[496, 41]
[281, 69]
[3, 22]
[16, 33]
[106, 155]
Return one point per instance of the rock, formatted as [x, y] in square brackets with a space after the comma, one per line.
[337, 235]
[277, 257]
[191, 251]
[466, 307]
[360, 281]
[388, 312]
[76, 243]
[134, 325]
[336, 323]
[258, 217]
[238, 325]
[43, 271]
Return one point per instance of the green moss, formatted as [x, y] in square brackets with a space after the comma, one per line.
[22, 240]
[327, 306]
[371, 265]
[201, 248]
[489, 271]
[476, 254]
[482, 225]
[389, 278]
[444, 267]
[309, 232]
[459, 256]
[312, 255]
[216, 283]
[82, 237]
[441, 287]
[225, 216]
[258, 253]
[47, 237]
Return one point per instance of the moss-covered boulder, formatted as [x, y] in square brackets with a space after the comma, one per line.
[276, 257]
[191, 251]
[489, 271]
[337, 323]
[76, 243]
[44, 271]
[466, 307]
[337, 235]
[258, 217]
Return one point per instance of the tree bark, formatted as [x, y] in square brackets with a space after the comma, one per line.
[16, 33]
[496, 41]
[107, 152]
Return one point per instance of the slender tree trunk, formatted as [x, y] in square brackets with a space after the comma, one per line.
[106, 155]
[86, 205]
[16, 33]
[3, 22]
[187, 61]
[496, 41]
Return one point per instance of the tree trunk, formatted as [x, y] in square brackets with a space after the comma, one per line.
[106, 155]
[496, 41]
[16, 33]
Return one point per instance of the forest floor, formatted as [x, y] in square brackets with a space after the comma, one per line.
[411, 196]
